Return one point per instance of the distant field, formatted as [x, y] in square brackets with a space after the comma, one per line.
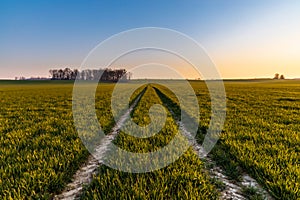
[40, 149]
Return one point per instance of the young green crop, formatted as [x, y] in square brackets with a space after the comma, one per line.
[40, 149]
[183, 179]
[261, 133]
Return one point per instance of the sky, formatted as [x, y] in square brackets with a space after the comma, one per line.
[244, 39]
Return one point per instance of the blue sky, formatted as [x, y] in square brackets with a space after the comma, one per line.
[38, 35]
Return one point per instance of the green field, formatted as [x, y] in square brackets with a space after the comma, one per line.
[40, 148]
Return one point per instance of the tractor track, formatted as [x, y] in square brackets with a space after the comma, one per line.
[233, 190]
[88, 170]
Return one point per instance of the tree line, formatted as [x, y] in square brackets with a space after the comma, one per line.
[90, 74]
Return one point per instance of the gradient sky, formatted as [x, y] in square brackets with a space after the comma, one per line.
[245, 39]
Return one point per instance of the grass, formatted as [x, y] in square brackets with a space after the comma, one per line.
[40, 149]
[183, 179]
[252, 193]
[261, 132]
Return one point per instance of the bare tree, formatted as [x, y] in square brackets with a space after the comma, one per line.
[74, 75]
[129, 74]
[88, 74]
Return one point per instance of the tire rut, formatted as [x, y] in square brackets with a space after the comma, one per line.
[88, 170]
[233, 190]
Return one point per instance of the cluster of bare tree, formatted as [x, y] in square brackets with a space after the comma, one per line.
[278, 76]
[63, 74]
[90, 74]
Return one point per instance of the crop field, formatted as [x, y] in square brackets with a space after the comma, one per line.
[261, 133]
[41, 150]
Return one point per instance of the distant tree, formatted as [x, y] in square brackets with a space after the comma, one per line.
[111, 75]
[82, 75]
[88, 74]
[129, 75]
[282, 76]
[105, 75]
[67, 73]
[54, 74]
[60, 74]
[121, 73]
[96, 74]
[276, 76]
[75, 74]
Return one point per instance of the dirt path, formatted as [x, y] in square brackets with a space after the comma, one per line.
[233, 189]
[85, 174]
